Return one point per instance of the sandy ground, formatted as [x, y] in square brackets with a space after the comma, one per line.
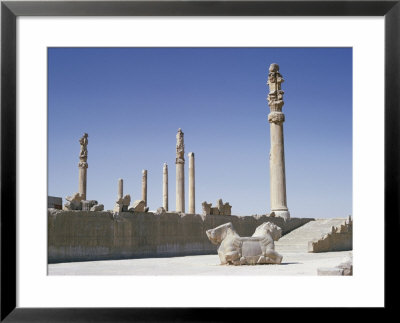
[295, 263]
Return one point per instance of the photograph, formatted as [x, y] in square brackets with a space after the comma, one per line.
[204, 161]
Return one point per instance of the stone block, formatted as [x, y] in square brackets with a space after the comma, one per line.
[98, 207]
[327, 271]
[138, 206]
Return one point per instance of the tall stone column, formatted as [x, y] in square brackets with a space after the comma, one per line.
[180, 172]
[144, 186]
[192, 208]
[83, 165]
[277, 154]
[165, 187]
[120, 188]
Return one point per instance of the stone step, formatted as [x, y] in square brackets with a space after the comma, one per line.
[297, 240]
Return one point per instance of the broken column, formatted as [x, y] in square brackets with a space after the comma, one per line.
[122, 202]
[165, 187]
[180, 172]
[144, 186]
[191, 184]
[277, 155]
[120, 188]
[83, 165]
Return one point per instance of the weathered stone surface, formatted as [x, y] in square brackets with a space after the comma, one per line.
[165, 186]
[347, 265]
[220, 206]
[339, 239]
[160, 211]
[180, 172]
[227, 209]
[330, 271]
[73, 202]
[122, 204]
[83, 165]
[138, 206]
[87, 204]
[268, 228]
[83, 235]
[206, 207]
[98, 207]
[54, 202]
[277, 156]
[192, 206]
[144, 186]
[219, 209]
[238, 250]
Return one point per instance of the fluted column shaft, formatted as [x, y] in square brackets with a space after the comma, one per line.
[165, 187]
[120, 188]
[82, 181]
[180, 187]
[192, 208]
[277, 153]
[144, 186]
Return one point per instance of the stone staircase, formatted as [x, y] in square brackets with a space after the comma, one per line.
[297, 240]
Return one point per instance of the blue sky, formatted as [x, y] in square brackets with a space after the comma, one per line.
[131, 102]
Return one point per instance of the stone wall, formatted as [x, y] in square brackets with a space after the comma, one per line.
[339, 239]
[88, 235]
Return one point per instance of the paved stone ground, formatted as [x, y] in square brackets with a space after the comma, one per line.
[292, 264]
[293, 247]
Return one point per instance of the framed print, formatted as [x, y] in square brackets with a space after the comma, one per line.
[68, 77]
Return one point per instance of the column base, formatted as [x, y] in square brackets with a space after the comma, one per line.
[281, 214]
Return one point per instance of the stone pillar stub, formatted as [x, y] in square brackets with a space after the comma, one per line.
[192, 208]
[120, 188]
[144, 186]
[180, 172]
[277, 153]
[165, 187]
[83, 165]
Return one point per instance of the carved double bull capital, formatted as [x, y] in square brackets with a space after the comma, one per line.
[275, 95]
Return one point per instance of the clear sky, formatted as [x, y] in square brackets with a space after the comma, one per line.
[131, 102]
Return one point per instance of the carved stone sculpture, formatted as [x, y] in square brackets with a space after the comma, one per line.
[227, 210]
[236, 250]
[74, 202]
[219, 209]
[122, 204]
[206, 208]
[138, 206]
[87, 205]
[98, 207]
[160, 211]
[268, 227]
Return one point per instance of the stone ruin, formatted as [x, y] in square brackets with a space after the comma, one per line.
[122, 203]
[219, 209]
[76, 202]
[257, 249]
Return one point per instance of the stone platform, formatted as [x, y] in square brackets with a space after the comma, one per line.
[293, 264]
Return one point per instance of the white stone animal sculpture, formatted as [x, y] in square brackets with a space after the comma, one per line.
[236, 250]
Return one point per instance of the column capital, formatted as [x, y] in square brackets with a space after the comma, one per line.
[275, 95]
[83, 165]
[276, 117]
[180, 148]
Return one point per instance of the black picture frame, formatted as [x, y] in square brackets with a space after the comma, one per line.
[10, 10]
